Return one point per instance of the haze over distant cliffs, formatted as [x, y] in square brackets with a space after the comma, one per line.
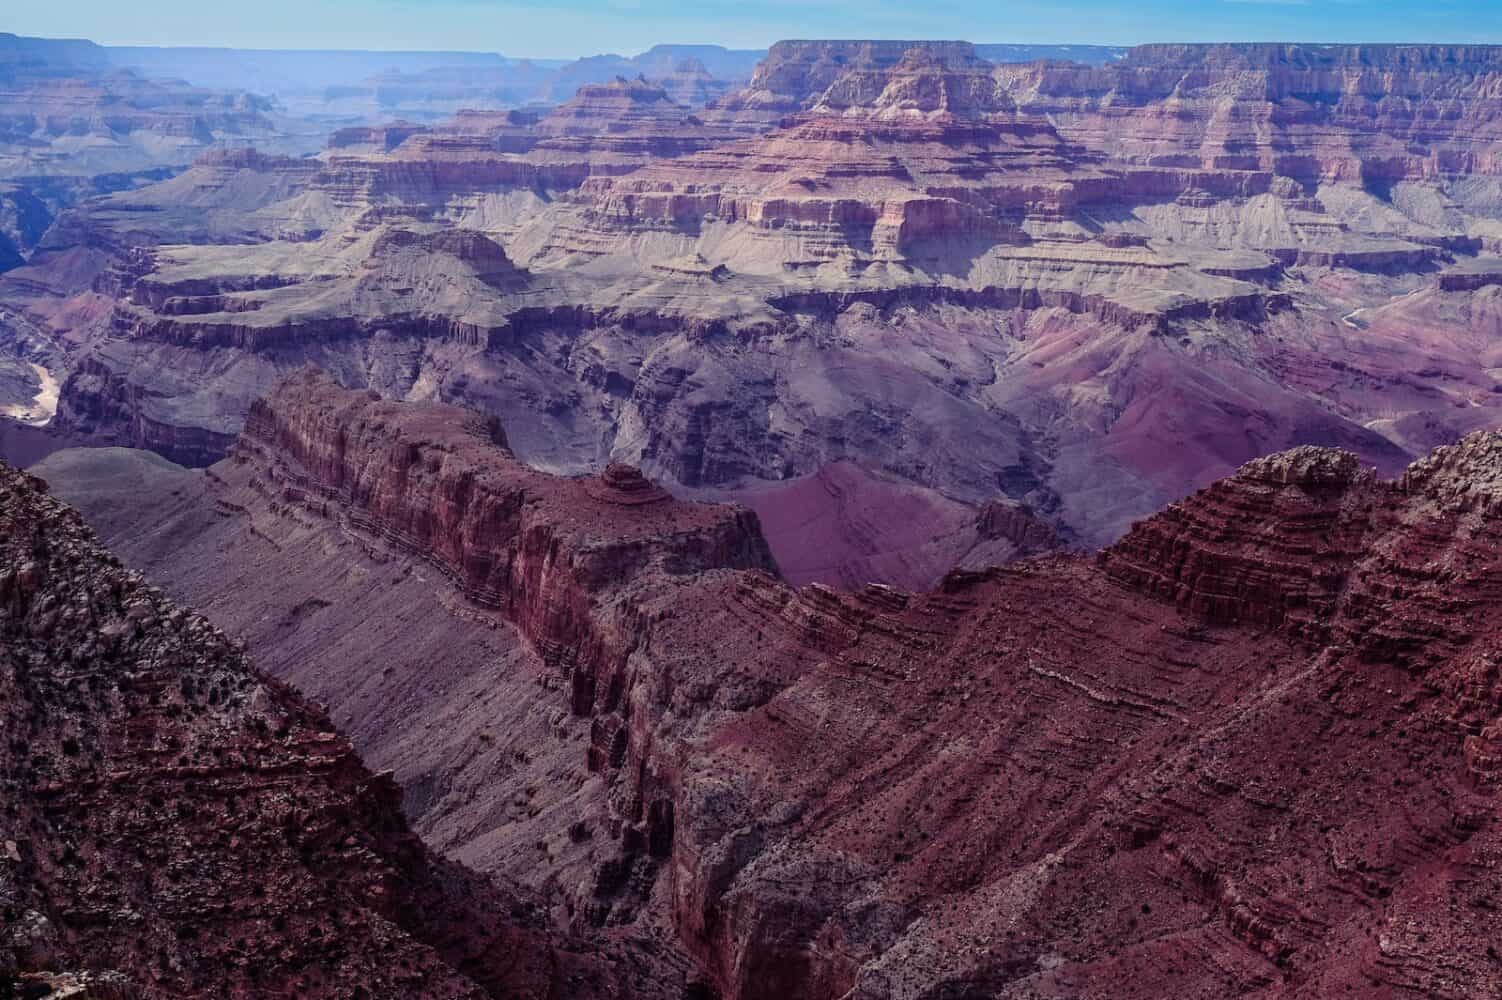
[885, 276]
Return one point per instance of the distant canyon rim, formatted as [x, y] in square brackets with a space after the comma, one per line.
[884, 284]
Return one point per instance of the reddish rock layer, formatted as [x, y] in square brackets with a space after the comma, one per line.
[539, 549]
[1275, 543]
[1038, 783]
[1318, 113]
[795, 73]
[603, 130]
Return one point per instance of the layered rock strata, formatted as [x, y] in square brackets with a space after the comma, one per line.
[1248, 749]
[1370, 113]
[989, 283]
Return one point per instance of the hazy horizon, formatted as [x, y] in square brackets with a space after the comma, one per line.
[569, 29]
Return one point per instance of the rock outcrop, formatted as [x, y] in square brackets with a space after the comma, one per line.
[795, 73]
[564, 579]
[178, 824]
[1377, 114]
[1232, 555]
[429, 478]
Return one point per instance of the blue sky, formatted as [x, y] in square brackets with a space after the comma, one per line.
[567, 28]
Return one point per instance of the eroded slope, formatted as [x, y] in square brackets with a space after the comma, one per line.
[183, 825]
[1087, 289]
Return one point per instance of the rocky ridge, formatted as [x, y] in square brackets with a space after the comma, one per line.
[1378, 114]
[539, 549]
[72, 126]
[177, 823]
[575, 571]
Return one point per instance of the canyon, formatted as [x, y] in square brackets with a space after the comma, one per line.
[943, 281]
[877, 520]
[1246, 750]
[177, 823]
[79, 120]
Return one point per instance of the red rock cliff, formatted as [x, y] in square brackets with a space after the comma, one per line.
[1253, 749]
[438, 481]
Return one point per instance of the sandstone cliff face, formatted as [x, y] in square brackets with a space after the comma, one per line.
[1219, 759]
[481, 158]
[181, 824]
[1231, 553]
[854, 180]
[1189, 124]
[1091, 766]
[566, 582]
[579, 567]
[795, 73]
[1376, 114]
[538, 548]
[903, 145]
